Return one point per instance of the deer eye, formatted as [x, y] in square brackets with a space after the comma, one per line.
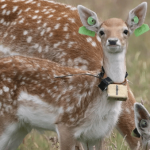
[91, 21]
[125, 32]
[101, 33]
[143, 123]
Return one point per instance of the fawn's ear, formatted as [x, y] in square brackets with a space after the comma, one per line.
[85, 16]
[140, 12]
[141, 116]
[135, 133]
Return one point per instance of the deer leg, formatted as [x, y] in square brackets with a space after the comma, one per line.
[12, 137]
[93, 146]
[66, 139]
[78, 146]
[99, 145]
[17, 138]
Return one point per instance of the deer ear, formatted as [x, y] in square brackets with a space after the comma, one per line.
[86, 14]
[141, 116]
[140, 12]
[135, 133]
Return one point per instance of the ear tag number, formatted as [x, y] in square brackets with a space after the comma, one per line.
[83, 30]
[142, 29]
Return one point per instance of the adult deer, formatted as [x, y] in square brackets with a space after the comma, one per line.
[49, 30]
[142, 121]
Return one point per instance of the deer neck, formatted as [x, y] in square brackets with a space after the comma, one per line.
[115, 66]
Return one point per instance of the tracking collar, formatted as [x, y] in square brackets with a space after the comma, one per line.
[106, 81]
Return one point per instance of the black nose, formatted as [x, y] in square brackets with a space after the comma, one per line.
[112, 42]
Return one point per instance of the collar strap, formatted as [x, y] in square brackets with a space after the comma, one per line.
[101, 74]
[105, 82]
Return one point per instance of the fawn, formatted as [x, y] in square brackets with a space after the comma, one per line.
[142, 120]
[49, 30]
[33, 96]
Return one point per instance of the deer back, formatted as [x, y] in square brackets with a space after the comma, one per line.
[70, 95]
[47, 29]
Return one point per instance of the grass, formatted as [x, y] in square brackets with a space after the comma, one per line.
[138, 62]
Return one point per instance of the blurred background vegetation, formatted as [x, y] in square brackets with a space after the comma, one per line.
[138, 67]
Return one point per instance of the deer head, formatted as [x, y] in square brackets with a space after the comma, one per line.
[142, 122]
[114, 35]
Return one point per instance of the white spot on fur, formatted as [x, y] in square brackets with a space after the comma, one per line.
[29, 39]
[3, 6]
[65, 15]
[69, 108]
[34, 17]
[20, 11]
[5, 35]
[42, 33]
[70, 44]
[89, 39]
[8, 12]
[57, 26]
[40, 49]
[51, 34]
[44, 25]
[29, 1]
[94, 44]
[2, 20]
[3, 12]
[5, 89]
[58, 18]
[67, 36]
[27, 9]
[65, 28]
[25, 32]
[36, 45]
[50, 16]
[98, 38]
[39, 21]
[22, 20]
[36, 11]
[39, 4]
[72, 20]
[73, 8]
[48, 29]
[56, 44]
[80, 60]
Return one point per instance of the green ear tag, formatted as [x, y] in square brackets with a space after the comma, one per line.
[136, 19]
[85, 31]
[142, 29]
[91, 21]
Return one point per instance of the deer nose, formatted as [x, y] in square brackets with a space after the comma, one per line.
[112, 42]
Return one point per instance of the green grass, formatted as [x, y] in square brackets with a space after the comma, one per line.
[138, 67]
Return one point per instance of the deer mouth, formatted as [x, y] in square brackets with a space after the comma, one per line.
[113, 46]
[114, 49]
